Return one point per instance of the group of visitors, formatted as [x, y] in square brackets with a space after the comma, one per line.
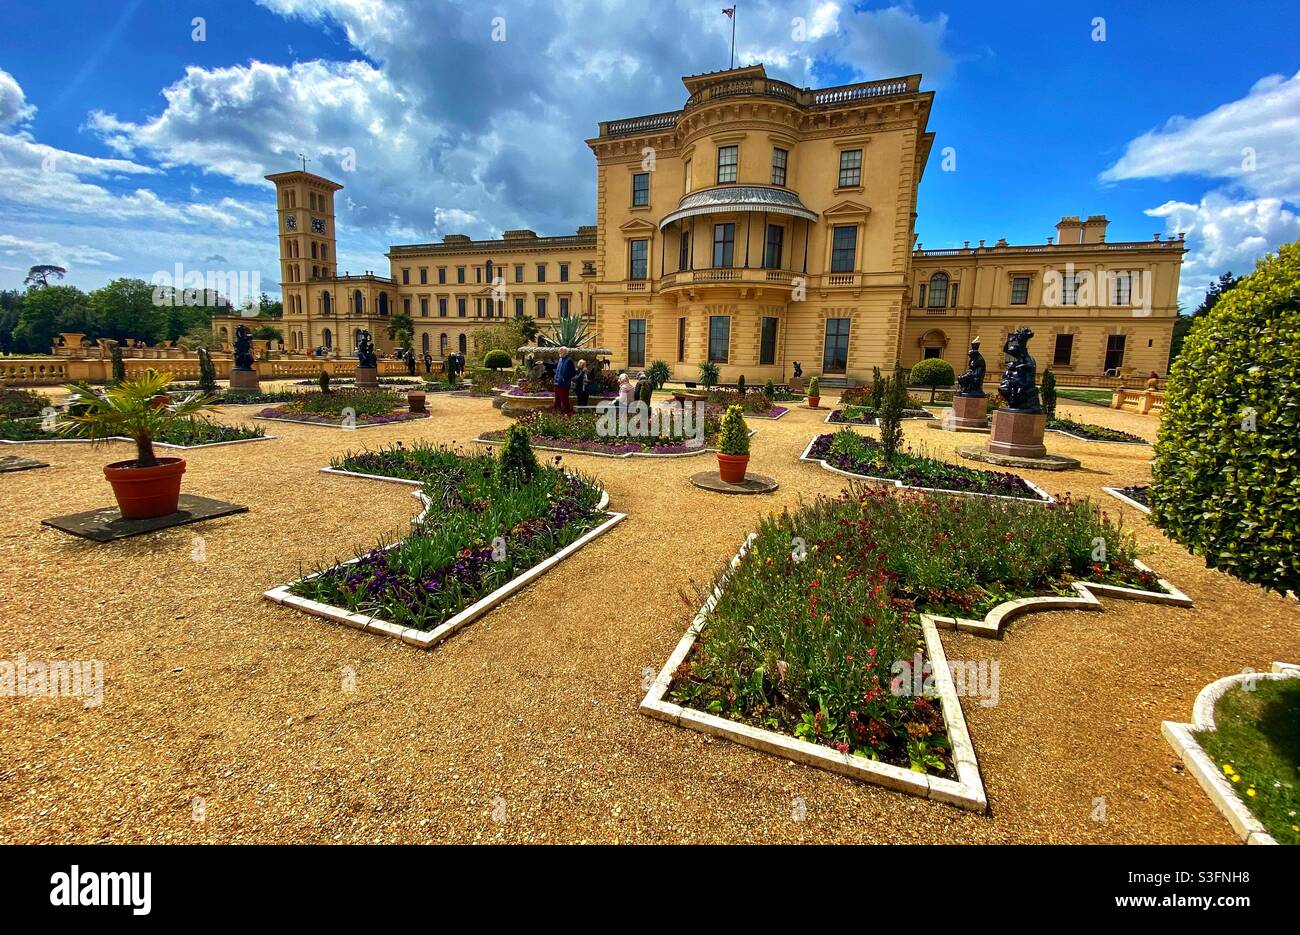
[578, 379]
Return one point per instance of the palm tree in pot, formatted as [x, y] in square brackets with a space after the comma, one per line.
[138, 409]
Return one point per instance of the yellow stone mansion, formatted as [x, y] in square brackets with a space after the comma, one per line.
[759, 225]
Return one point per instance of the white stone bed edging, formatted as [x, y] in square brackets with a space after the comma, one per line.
[1115, 492]
[338, 425]
[1098, 441]
[1182, 737]
[1047, 497]
[427, 639]
[123, 438]
[605, 454]
[967, 791]
[996, 620]
[391, 480]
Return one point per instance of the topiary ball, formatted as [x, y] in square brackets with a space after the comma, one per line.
[933, 371]
[1227, 468]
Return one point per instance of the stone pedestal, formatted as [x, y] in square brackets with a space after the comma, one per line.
[244, 380]
[368, 378]
[969, 412]
[1017, 434]
[415, 401]
[796, 384]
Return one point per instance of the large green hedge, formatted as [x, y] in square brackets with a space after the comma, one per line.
[1227, 468]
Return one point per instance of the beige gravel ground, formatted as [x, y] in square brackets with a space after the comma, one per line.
[212, 692]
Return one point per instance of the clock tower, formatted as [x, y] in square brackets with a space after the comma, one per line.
[308, 253]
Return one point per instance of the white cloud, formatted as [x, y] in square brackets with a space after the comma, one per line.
[1252, 142]
[1225, 235]
[35, 251]
[14, 108]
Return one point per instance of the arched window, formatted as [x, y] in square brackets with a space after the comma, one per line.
[358, 303]
[938, 291]
[424, 342]
[460, 343]
[442, 344]
[383, 303]
[328, 338]
[489, 270]
[325, 302]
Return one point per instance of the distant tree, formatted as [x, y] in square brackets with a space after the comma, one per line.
[266, 308]
[127, 309]
[1183, 323]
[11, 306]
[268, 333]
[39, 276]
[38, 321]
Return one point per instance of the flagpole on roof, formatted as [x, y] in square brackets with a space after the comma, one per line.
[733, 36]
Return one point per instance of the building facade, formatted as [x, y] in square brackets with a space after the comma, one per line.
[758, 226]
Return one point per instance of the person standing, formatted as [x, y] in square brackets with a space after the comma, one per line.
[428, 363]
[564, 371]
[582, 383]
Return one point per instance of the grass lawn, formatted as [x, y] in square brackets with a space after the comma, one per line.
[1096, 397]
[1257, 745]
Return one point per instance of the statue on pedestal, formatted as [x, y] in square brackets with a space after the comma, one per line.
[1018, 387]
[972, 381]
[243, 348]
[365, 352]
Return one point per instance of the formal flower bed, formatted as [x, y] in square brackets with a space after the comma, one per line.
[816, 633]
[857, 454]
[484, 527]
[183, 434]
[1096, 433]
[1139, 493]
[21, 404]
[367, 407]
[1256, 743]
[865, 415]
[582, 433]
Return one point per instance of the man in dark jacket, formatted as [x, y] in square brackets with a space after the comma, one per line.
[563, 378]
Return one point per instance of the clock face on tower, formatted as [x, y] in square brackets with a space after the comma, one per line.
[291, 222]
[318, 225]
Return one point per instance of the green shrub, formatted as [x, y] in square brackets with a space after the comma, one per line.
[21, 404]
[1227, 467]
[769, 389]
[734, 437]
[517, 463]
[877, 389]
[497, 359]
[659, 373]
[207, 372]
[890, 417]
[814, 387]
[709, 374]
[740, 385]
[933, 372]
[324, 381]
[1048, 393]
[119, 365]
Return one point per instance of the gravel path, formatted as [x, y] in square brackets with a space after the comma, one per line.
[531, 713]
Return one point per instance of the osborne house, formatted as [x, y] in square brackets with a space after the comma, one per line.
[757, 226]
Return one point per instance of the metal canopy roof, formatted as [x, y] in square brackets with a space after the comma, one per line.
[739, 198]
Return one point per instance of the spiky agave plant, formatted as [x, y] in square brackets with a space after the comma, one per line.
[569, 332]
[138, 409]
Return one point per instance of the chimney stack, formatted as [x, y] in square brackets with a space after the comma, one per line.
[1069, 230]
[1094, 229]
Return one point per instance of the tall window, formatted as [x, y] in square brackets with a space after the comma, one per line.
[724, 245]
[767, 342]
[640, 189]
[719, 338]
[938, 290]
[920, 295]
[519, 306]
[460, 274]
[1114, 353]
[460, 308]
[442, 306]
[952, 294]
[844, 249]
[1063, 351]
[541, 272]
[727, 159]
[1019, 290]
[519, 272]
[564, 272]
[772, 251]
[835, 349]
[406, 306]
[406, 273]
[636, 342]
[1123, 292]
[638, 259]
[850, 168]
[424, 275]
[684, 251]
[686, 173]
[358, 303]
[681, 339]
[424, 308]
[1069, 289]
[541, 306]
[442, 275]
[564, 306]
[780, 158]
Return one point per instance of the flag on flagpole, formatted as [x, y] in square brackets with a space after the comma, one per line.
[730, 11]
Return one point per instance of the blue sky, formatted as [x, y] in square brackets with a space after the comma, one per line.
[126, 146]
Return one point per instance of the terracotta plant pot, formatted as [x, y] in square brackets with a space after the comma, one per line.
[814, 402]
[143, 493]
[732, 467]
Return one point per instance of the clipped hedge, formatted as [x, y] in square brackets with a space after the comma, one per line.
[1227, 468]
[497, 359]
[933, 371]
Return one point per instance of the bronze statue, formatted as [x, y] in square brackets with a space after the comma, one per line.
[243, 348]
[366, 359]
[972, 381]
[798, 370]
[1018, 387]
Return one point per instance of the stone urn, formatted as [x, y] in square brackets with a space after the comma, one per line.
[415, 401]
